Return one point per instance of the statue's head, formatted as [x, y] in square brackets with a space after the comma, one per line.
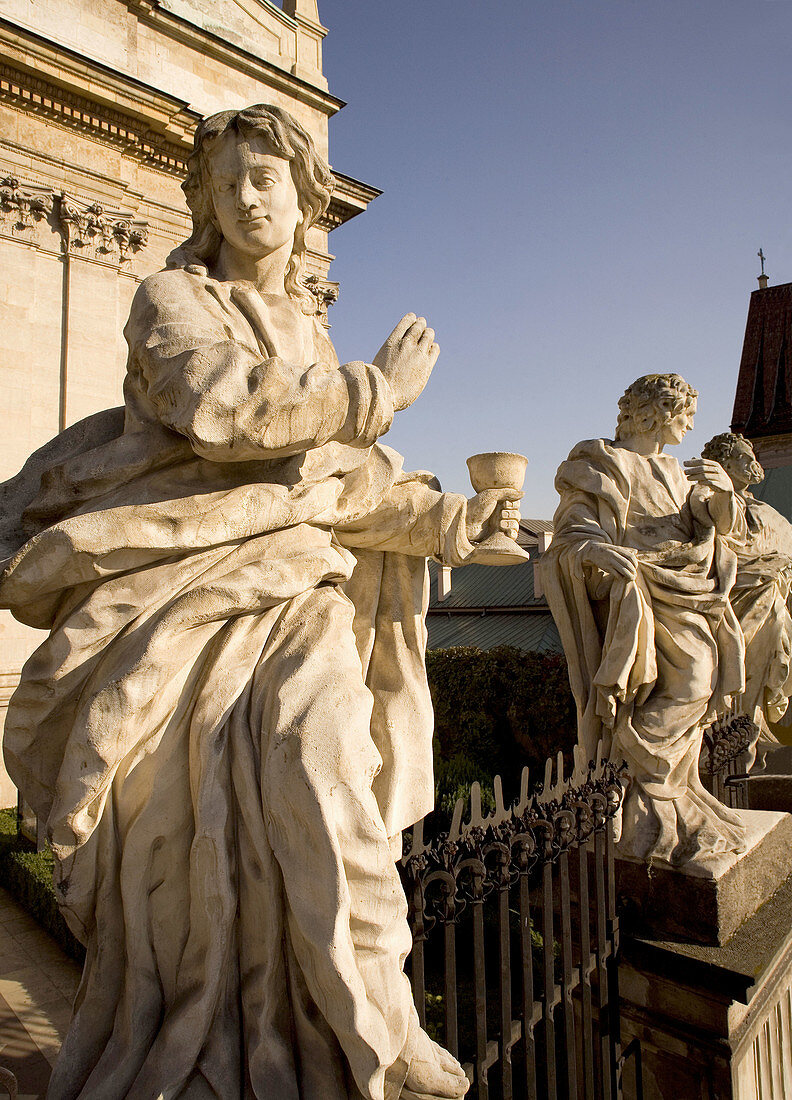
[658, 405]
[268, 134]
[736, 455]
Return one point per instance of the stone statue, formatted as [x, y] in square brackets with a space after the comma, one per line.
[229, 725]
[762, 540]
[638, 579]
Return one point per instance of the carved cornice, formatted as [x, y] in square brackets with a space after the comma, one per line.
[33, 94]
[30, 93]
[350, 198]
[205, 42]
[152, 126]
[86, 229]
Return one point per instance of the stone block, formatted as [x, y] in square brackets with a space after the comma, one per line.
[713, 1021]
[708, 901]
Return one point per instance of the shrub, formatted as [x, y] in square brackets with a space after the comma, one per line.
[27, 875]
[496, 711]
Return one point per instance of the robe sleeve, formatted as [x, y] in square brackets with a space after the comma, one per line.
[716, 509]
[233, 405]
[416, 519]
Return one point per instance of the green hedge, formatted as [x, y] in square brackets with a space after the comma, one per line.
[496, 711]
[27, 875]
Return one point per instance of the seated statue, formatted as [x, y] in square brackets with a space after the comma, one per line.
[229, 724]
[638, 578]
[762, 540]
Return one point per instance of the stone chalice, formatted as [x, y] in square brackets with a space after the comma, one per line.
[499, 470]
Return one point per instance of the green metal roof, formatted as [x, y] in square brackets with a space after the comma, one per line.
[535, 632]
[487, 586]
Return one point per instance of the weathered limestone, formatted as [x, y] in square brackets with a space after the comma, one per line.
[762, 540]
[99, 100]
[229, 724]
[638, 579]
[640, 576]
[706, 901]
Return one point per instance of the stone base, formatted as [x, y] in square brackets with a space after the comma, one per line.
[712, 1021]
[707, 902]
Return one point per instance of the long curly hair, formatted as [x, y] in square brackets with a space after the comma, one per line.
[312, 177]
[639, 406]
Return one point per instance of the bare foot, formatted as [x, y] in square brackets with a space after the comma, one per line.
[433, 1071]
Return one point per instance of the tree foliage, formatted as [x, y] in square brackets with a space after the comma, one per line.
[496, 711]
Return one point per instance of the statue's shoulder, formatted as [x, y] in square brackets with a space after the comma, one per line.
[593, 466]
[596, 451]
[171, 296]
[172, 283]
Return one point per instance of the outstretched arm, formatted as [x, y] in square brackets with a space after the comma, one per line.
[418, 519]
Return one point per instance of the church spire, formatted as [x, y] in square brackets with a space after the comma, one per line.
[762, 278]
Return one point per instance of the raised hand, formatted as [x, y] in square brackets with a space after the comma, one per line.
[407, 358]
[706, 471]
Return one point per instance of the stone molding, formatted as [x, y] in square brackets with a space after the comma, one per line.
[26, 92]
[773, 451]
[89, 230]
[24, 207]
[205, 42]
[34, 94]
[350, 198]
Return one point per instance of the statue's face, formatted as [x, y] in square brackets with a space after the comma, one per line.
[675, 429]
[742, 467]
[254, 196]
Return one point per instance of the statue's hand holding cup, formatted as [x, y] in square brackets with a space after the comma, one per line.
[497, 477]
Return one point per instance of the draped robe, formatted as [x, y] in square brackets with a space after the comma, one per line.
[229, 724]
[762, 540]
[652, 661]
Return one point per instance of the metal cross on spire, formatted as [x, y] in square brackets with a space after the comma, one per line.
[761, 256]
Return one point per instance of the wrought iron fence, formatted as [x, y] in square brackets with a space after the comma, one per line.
[727, 756]
[516, 937]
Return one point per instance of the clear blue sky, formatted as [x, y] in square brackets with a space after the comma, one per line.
[574, 195]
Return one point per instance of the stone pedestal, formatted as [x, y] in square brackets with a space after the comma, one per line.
[707, 902]
[714, 1023]
[714, 1019]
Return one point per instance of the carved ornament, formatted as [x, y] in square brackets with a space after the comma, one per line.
[93, 231]
[23, 207]
[325, 292]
